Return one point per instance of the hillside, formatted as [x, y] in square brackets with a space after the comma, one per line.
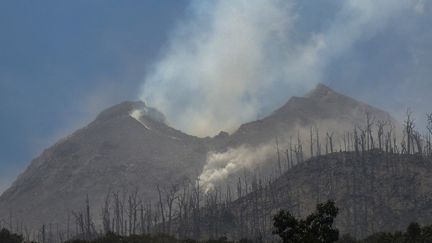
[375, 191]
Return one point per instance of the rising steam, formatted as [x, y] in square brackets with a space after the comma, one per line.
[220, 165]
[233, 60]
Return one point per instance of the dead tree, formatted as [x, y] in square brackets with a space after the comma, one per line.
[429, 135]
[417, 141]
[68, 226]
[149, 217]
[132, 211]
[89, 225]
[369, 137]
[345, 142]
[142, 218]
[118, 214]
[239, 188]
[245, 180]
[299, 149]
[278, 157]
[380, 133]
[318, 146]
[311, 143]
[287, 159]
[388, 142]
[409, 129]
[155, 216]
[330, 141]
[83, 221]
[196, 206]
[106, 218]
[170, 197]
[43, 233]
[183, 204]
[356, 142]
[161, 208]
[291, 152]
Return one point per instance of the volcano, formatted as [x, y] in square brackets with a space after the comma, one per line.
[130, 147]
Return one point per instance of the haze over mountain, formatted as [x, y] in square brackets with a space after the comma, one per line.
[128, 147]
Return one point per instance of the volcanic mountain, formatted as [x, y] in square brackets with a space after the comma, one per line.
[322, 108]
[129, 147]
[121, 150]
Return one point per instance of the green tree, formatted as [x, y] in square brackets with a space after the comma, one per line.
[347, 239]
[316, 228]
[8, 237]
[414, 233]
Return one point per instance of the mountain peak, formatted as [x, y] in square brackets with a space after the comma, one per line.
[321, 91]
[122, 109]
[125, 108]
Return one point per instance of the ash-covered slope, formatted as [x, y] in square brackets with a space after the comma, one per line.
[125, 147]
[322, 107]
[375, 191]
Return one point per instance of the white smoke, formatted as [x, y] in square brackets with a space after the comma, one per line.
[233, 58]
[220, 165]
[136, 114]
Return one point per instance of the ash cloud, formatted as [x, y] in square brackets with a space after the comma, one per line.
[231, 61]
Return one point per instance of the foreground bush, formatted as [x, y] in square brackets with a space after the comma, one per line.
[114, 238]
[8, 237]
[316, 228]
[414, 234]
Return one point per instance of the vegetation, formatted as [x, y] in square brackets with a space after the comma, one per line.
[7, 237]
[316, 228]
[414, 234]
[161, 238]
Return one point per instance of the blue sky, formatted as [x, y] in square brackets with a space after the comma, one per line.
[61, 62]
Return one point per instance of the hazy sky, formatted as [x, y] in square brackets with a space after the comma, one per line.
[61, 62]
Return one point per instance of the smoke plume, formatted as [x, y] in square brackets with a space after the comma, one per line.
[233, 60]
[220, 165]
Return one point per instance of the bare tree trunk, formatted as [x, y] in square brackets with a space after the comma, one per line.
[106, 214]
[278, 157]
[311, 143]
[318, 152]
[330, 140]
[287, 159]
[170, 197]
[409, 127]
[161, 208]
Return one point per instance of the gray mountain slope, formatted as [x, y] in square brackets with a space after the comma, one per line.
[113, 153]
[322, 107]
[382, 192]
[117, 152]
